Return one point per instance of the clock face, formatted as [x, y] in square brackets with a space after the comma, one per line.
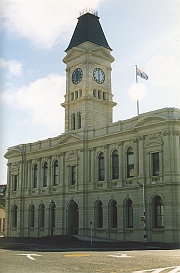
[98, 75]
[77, 75]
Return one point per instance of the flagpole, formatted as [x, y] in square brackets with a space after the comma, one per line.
[137, 101]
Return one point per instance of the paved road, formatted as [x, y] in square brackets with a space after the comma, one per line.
[153, 261]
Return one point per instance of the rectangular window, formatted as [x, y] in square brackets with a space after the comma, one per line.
[15, 181]
[72, 96]
[56, 171]
[73, 175]
[155, 164]
[104, 95]
[99, 94]
[35, 176]
[76, 94]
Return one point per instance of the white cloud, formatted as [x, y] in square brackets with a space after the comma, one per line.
[14, 67]
[44, 23]
[41, 99]
[162, 71]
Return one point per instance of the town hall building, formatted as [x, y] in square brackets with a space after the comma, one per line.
[121, 180]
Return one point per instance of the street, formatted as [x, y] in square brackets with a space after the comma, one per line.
[135, 261]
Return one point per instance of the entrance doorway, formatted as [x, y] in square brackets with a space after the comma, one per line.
[73, 218]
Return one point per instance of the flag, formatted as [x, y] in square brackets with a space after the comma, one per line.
[141, 74]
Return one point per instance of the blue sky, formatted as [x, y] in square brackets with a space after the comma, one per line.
[34, 35]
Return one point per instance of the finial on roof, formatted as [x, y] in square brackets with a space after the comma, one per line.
[88, 10]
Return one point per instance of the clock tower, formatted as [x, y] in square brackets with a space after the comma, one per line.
[88, 99]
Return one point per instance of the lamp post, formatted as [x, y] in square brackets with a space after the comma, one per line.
[143, 218]
[52, 216]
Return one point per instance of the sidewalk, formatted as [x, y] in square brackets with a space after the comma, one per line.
[73, 243]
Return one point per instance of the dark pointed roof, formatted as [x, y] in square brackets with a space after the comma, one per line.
[89, 29]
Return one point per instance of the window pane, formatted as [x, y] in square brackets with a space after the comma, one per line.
[45, 175]
[73, 122]
[115, 165]
[99, 215]
[158, 213]
[41, 216]
[130, 163]
[101, 167]
[155, 164]
[31, 216]
[129, 214]
[56, 172]
[14, 216]
[113, 214]
[15, 180]
[35, 176]
[73, 175]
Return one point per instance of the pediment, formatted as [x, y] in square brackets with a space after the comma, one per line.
[12, 152]
[72, 157]
[103, 52]
[74, 53]
[69, 139]
[153, 140]
[14, 168]
[149, 121]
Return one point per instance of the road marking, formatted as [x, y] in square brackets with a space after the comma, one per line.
[175, 269]
[29, 256]
[120, 255]
[76, 255]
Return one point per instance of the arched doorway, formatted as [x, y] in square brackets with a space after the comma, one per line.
[73, 218]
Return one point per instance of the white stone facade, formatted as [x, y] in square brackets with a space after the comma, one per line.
[90, 173]
[154, 132]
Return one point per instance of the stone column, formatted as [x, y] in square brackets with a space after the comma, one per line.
[106, 147]
[136, 156]
[9, 185]
[161, 165]
[177, 154]
[121, 164]
[93, 160]
[148, 174]
[166, 155]
[49, 182]
[29, 174]
[20, 178]
[141, 160]
[39, 182]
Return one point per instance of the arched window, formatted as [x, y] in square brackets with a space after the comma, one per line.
[35, 175]
[31, 216]
[115, 165]
[73, 121]
[113, 214]
[99, 214]
[14, 216]
[101, 167]
[129, 213]
[45, 174]
[158, 212]
[79, 120]
[41, 215]
[130, 162]
[56, 173]
[52, 209]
